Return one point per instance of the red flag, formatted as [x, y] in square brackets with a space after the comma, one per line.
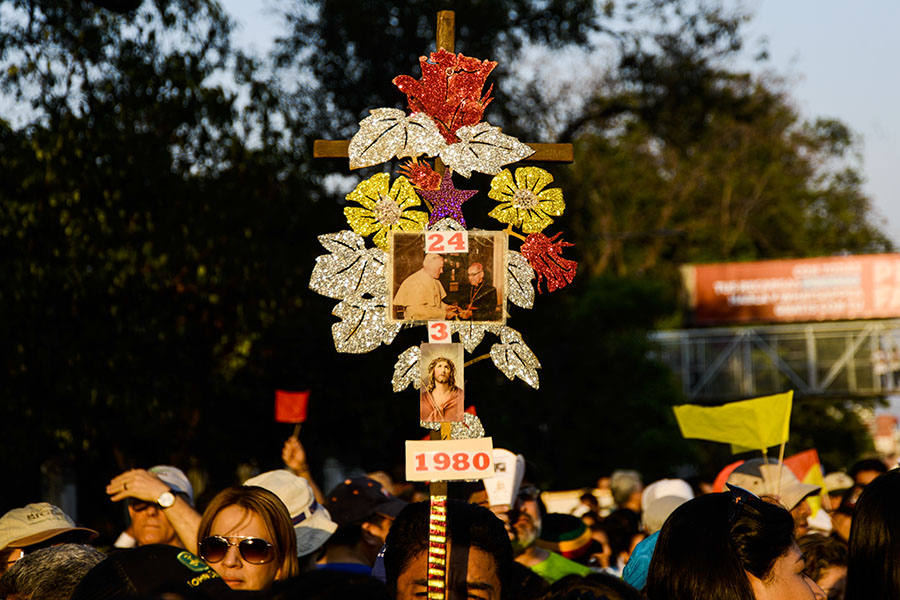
[290, 407]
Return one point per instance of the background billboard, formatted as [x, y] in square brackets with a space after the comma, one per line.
[811, 289]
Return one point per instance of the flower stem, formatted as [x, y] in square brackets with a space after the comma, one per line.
[476, 359]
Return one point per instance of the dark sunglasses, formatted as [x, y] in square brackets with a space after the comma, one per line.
[254, 550]
[140, 505]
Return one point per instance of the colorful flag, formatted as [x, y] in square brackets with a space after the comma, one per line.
[806, 466]
[754, 424]
[290, 407]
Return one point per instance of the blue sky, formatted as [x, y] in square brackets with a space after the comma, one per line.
[839, 59]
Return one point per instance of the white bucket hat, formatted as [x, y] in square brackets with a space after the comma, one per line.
[312, 522]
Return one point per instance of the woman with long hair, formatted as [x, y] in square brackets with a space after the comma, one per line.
[873, 561]
[247, 537]
[729, 546]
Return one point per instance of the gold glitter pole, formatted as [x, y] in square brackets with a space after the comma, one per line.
[437, 529]
[437, 540]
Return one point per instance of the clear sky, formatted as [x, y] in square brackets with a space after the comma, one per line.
[839, 58]
[842, 60]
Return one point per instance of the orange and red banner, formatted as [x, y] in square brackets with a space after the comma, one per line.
[810, 289]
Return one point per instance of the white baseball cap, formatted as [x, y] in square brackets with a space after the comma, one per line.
[312, 522]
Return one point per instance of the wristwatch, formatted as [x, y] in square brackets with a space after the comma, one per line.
[166, 499]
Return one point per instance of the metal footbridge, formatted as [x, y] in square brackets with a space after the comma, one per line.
[830, 359]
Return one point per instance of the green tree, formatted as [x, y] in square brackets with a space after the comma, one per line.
[147, 245]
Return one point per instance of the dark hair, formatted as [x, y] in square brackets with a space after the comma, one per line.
[408, 538]
[710, 543]
[867, 464]
[873, 561]
[822, 552]
[351, 533]
[326, 584]
[596, 586]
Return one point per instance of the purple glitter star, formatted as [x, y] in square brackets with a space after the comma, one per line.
[447, 201]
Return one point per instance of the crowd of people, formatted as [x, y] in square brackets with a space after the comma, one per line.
[278, 537]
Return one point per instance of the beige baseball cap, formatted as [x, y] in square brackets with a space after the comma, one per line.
[37, 523]
[770, 478]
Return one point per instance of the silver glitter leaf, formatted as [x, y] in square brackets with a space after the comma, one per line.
[483, 148]
[471, 334]
[447, 224]
[351, 268]
[468, 429]
[520, 290]
[514, 358]
[388, 132]
[406, 369]
[363, 326]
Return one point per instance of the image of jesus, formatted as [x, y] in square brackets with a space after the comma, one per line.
[441, 400]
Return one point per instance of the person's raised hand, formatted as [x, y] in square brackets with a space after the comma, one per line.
[136, 483]
[294, 456]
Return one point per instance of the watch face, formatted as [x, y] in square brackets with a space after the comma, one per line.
[166, 499]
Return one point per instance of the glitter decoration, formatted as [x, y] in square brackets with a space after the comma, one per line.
[467, 429]
[351, 268]
[384, 209]
[514, 358]
[449, 91]
[545, 255]
[483, 148]
[524, 202]
[363, 326]
[519, 273]
[406, 369]
[437, 547]
[446, 202]
[446, 225]
[388, 132]
[420, 174]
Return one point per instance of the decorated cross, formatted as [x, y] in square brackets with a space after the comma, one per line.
[401, 281]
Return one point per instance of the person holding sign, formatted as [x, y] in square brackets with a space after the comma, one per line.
[421, 294]
[441, 399]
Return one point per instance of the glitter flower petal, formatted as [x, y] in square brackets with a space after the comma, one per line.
[524, 202]
[545, 256]
[384, 208]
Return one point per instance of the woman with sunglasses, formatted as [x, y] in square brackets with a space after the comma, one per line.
[247, 537]
[729, 546]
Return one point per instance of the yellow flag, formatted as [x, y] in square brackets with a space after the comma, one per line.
[753, 424]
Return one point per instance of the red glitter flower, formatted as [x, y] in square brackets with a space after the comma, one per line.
[421, 175]
[544, 255]
[449, 91]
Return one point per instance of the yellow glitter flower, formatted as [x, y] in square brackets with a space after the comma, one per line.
[524, 202]
[383, 209]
